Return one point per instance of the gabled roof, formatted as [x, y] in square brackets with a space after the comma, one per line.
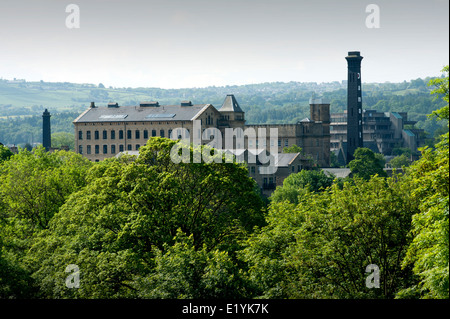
[203, 109]
[372, 145]
[409, 133]
[397, 115]
[230, 105]
[285, 159]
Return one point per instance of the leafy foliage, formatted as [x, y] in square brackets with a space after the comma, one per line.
[146, 227]
[33, 186]
[296, 185]
[320, 247]
[441, 85]
[182, 271]
[5, 153]
[63, 139]
[366, 164]
[400, 161]
[292, 149]
[118, 228]
[429, 251]
[50, 179]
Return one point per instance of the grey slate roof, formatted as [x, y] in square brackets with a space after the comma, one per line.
[230, 105]
[372, 145]
[161, 113]
[285, 159]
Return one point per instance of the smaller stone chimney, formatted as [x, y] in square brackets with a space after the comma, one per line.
[46, 130]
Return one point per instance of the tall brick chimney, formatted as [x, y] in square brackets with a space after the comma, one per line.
[354, 104]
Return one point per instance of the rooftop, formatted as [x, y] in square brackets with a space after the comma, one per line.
[396, 115]
[141, 113]
[409, 133]
[285, 159]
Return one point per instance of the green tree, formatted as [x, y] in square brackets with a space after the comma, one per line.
[33, 186]
[429, 251]
[182, 271]
[334, 162]
[401, 151]
[5, 153]
[400, 161]
[296, 185]
[441, 90]
[366, 164]
[133, 208]
[28, 147]
[320, 248]
[61, 139]
[15, 282]
[292, 149]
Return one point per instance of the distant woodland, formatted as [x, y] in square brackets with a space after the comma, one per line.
[22, 103]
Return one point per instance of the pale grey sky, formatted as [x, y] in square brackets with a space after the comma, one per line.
[197, 43]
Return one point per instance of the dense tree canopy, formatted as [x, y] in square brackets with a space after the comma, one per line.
[429, 251]
[148, 227]
[320, 247]
[33, 186]
[120, 226]
[5, 153]
[400, 161]
[295, 185]
[366, 163]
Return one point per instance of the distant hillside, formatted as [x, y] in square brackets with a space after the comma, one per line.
[275, 102]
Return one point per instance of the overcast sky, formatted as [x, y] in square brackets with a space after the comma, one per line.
[198, 43]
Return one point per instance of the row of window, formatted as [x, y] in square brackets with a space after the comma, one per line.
[280, 142]
[250, 143]
[299, 168]
[112, 149]
[137, 135]
[112, 134]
